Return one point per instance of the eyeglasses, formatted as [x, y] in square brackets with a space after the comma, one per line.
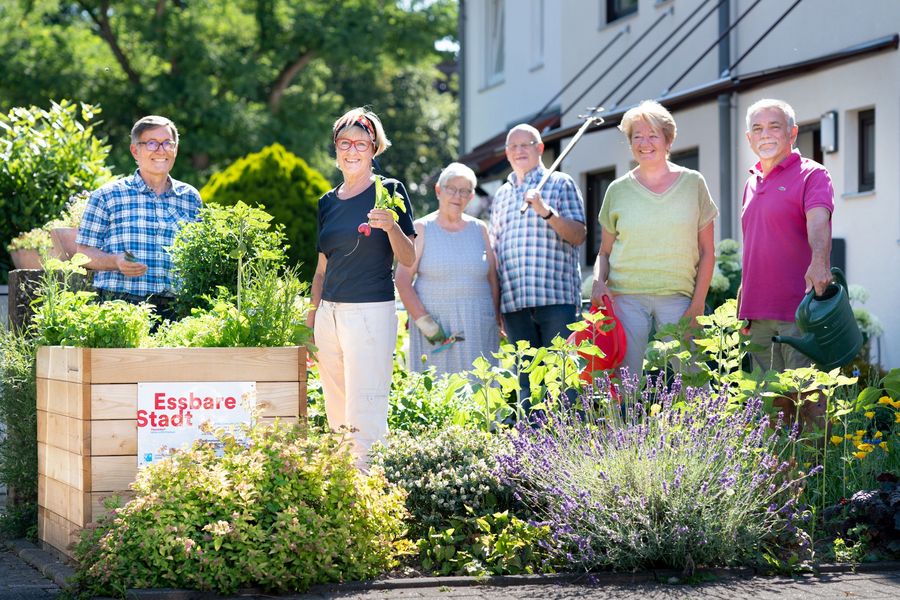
[527, 146]
[153, 145]
[459, 192]
[345, 144]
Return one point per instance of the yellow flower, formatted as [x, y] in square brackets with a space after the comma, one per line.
[836, 439]
[848, 435]
[865, 447]
[896, 403]
[860, 432]
[897, 417]
[869, 414]
[860, 455]
[883, 446]
[877, 435]
[885, 400]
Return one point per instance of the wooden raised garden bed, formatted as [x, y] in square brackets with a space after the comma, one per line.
[87, 417]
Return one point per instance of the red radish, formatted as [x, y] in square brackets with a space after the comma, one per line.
[365, 229]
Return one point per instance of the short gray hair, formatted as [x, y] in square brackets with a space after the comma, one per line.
[785, 108]
[454, 170]
[152, 122]
[527, 128]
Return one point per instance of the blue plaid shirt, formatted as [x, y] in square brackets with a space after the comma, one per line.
[537, 267]
[127, 215]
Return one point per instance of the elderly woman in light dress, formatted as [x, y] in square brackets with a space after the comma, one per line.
[451, 291]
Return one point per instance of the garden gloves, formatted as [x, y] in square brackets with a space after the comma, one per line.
[431, 329]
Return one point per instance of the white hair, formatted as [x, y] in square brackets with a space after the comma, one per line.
[780, 105]
[527, 128]
[454, 170]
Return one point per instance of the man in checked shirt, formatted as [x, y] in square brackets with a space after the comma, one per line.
[538, 254]
[129, 223]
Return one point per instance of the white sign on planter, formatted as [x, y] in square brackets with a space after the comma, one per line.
[170, 414]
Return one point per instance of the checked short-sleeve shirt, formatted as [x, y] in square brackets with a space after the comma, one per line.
[126, 215]
[537, 267]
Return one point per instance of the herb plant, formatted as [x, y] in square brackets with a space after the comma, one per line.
[284, 512]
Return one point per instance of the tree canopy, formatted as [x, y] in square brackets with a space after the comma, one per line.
[237, 75]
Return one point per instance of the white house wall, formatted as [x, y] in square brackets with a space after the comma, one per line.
[525, 88]
[869, 222]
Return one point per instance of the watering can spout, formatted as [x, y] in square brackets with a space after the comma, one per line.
[806, 344]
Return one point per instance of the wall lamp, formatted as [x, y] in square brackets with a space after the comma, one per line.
[828, 130]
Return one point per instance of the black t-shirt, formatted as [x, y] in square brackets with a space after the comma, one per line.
[358, 273]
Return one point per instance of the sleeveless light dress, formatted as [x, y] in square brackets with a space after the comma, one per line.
[452, 283]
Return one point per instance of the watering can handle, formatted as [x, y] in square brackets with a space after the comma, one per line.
[839, 278]
[607, 302]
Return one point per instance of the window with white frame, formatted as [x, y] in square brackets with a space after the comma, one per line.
[537, 34]
[494, 42]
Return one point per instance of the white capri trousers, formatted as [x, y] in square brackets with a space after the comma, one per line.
[356, 344]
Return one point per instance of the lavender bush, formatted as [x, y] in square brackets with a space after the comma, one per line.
[681, 481]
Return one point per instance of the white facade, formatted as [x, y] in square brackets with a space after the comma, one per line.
[806, 39]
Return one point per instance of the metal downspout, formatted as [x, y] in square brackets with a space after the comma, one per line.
[461, 61]
[726, 193]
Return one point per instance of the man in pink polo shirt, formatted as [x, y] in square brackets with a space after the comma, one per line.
[786, 222]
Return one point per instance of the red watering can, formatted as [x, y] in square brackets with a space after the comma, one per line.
[608, 335]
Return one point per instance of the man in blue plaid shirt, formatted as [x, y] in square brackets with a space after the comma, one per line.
[538, 253]
[129, 223]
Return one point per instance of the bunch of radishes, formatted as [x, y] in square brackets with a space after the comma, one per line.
[384, 200]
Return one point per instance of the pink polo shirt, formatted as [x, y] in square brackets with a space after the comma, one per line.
[776, 249]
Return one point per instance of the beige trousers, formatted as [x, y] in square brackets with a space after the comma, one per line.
[356, 359]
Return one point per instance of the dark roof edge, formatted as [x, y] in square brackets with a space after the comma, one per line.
[708, 91]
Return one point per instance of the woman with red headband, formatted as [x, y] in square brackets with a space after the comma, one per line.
[353, 314]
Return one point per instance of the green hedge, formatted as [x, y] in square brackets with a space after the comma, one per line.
[286, 186]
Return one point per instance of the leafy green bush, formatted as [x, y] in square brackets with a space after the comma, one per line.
[285, 511]
[64, 316]
[444, 471]
[287, 187]
[271, 312]
[18, 444]
[493, 544]
[45, 157]
[207, 253]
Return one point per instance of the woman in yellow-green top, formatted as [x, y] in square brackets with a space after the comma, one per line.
[657, 250]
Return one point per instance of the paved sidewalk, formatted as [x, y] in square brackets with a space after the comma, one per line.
[21, 580]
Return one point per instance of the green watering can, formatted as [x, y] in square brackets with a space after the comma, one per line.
[831, 336]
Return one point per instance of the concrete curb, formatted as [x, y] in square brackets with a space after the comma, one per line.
[60, 573]
[49, 565]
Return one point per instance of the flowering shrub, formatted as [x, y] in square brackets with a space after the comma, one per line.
[444, 471]
[681, 483]
[285, 512]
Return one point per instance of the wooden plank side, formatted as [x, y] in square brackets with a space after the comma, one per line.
[98, 502]
[301, 363]
[63, 397]
[114, 401]
[278, 399]
[63, 363]
[64, 500]
[68, 468]
[67, 433]
[130, 365]
[57, 531]
[112, 473]
[114, 438]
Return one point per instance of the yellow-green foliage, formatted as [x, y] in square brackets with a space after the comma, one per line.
[286, 186]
